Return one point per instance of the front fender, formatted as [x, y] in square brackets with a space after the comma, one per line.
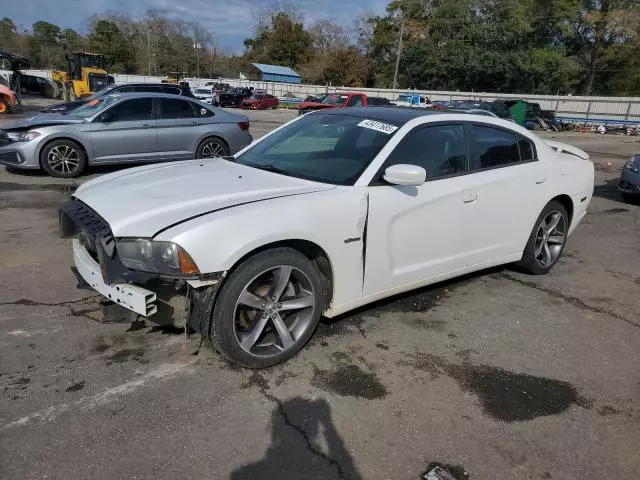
[217, 242]
[50, 137]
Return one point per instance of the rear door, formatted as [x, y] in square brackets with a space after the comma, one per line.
[125, 132]
[515, 189]
[176, 128]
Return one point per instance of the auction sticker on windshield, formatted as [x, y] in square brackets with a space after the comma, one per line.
[378, 126]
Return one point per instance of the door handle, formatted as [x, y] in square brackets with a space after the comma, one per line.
[540, 181]
[147, 125]
[471, 198]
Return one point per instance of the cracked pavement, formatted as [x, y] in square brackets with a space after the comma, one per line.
[499, 374]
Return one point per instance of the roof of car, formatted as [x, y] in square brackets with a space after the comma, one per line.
[397, 115]
[147, 84]
[149, 95]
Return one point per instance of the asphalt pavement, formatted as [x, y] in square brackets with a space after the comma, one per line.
[498, 374]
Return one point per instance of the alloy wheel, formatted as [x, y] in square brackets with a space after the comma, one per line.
[63, 159]
[212, 149]
[550, 239]
[274, 310]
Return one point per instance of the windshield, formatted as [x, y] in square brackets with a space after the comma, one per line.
[405, 98]
[255, 97]
[203, 91]
[335, 99]
[236, 90]
[325, 148]
[92, 107]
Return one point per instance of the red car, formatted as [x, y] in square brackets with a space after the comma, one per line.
[260, 101]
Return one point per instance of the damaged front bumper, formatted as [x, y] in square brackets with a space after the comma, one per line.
[132, 297]
[176, 300]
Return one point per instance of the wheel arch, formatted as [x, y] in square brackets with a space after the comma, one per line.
[566, 201]
[309, 249]
[63, 137]
[207, 137]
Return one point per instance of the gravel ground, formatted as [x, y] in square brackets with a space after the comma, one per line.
[498, 374]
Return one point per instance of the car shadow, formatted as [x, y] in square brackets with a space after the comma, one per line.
[92, 170]
[609, 190]
[304, 444]
[419, 300]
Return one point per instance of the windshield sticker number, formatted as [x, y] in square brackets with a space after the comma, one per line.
[203, 111]
[378, 126]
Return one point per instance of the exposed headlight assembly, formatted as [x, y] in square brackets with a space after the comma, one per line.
[22, 136]
[165, 258]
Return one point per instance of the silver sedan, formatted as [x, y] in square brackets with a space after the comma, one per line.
[121, 129]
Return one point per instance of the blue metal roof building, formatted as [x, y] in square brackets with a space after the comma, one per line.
[270, 73]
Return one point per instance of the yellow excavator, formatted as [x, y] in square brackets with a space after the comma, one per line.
[86, 74]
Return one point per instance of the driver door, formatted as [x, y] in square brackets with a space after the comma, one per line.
[125, 132]
[417, 233]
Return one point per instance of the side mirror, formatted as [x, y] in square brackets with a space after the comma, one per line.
[407, 175]
[107, 117]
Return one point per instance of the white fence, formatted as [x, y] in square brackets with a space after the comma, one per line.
[610, 110]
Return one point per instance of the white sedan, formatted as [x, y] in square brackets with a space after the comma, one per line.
[330, 212]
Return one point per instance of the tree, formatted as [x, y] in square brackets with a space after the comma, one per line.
[107, 39]
[283, 41]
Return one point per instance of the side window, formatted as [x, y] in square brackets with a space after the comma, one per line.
[527, 150]
[132, 110]
[355, 101]
[495, 148]
[441, 150]
[172, 108]
[201, 111]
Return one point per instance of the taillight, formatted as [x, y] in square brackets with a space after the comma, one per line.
[244, 125]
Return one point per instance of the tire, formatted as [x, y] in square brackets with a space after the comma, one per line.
[4, 107]
[538, 259]
[253, 339]
[212, 147]
[63, 159]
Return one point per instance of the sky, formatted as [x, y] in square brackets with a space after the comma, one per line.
[230, 20]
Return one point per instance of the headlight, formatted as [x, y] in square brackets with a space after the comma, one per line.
[22, 136]
[634, 164]
[156, 257]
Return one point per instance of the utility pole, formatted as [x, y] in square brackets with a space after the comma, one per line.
[197, 46]
[399, 54]
[149, 48]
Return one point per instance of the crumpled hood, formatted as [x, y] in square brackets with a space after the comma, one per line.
[139, 202]
[43, 120]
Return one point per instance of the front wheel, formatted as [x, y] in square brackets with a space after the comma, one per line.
[63, 159]
[212, 147]
[268, 308]
[547, 240]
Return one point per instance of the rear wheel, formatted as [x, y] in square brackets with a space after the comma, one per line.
[212, 147]
[547, 240]
[268, 308]
[63, 159]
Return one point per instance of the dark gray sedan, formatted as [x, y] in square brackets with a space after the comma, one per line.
[120, 129]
